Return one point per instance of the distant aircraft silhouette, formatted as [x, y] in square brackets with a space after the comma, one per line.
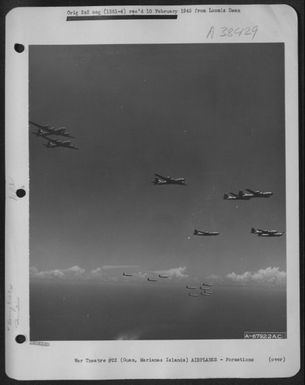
[205, 233]
[266, 233]
[162, 180]
[47, 130]
[240, 196]
[127, 274]
[53, 143]
[191, 287]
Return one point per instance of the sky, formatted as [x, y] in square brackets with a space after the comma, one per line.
[212, 113]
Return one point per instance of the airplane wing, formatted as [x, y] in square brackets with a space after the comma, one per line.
[162, 177]
[250, 191]
[60, 131]
[64, 133]
[70, 145]
[233, 194]
[46, 137]
[38, 125]
[55, 130]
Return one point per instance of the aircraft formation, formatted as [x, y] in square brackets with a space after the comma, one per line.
[205, 289]
[241, 195]
[150, 279]
[199, 291]
[46, 131]
[202, 289]
[196, 291]
[248, 194]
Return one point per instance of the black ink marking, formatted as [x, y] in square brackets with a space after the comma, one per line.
[120, 17]
[211, 32]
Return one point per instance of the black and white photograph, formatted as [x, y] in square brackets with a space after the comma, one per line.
[157, 179]
[152, 211]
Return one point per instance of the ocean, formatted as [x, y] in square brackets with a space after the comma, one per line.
[108, 311]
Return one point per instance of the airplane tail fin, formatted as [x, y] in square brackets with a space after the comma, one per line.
[253, 231]
[195, 232]
[226, 196]
[155, 181]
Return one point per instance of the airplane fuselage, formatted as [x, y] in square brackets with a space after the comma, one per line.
[47, 130]
[162, 180]
[260, 194]
[234, 197]
[60, 133]
[266, 233]
[205, 233]
[242, 195]
[53, 143]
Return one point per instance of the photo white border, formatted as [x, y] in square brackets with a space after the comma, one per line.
[48, 26]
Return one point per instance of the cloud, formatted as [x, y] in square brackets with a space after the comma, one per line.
[270, 275]
[175, 272]
[69, 273]
[102, 273]
[96, 273]
[76, 272]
